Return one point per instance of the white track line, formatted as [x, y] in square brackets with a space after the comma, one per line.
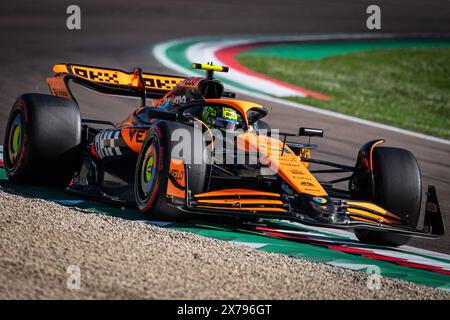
[351, 266]
[253, 245]
[425, 252]
[206, 52]
[159, 51]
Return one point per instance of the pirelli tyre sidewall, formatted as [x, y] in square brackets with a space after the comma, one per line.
[152, 172]
[148, 170]
[15, 139]
[42, 143]
[398, 189]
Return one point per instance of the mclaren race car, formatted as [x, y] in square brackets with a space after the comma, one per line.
[167, 158]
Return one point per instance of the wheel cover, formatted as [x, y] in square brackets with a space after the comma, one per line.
[148, 170]
[15, 138]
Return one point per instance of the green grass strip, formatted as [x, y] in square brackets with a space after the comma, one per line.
[406, 88]
[319, 50]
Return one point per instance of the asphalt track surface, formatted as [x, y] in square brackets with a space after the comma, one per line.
[33, 36]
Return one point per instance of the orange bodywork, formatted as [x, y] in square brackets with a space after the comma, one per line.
[371, 153]
[177, 171]
[246, 208]
[362, 219]
[134, 137]
[241, 201]
[231, 199]
[237, 193]
[285, 163]
[369, 215]
[119, 77]
[60, 68]
[378, 213]
[58, 87]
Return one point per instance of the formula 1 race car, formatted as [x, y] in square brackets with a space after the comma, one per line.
[140, 162]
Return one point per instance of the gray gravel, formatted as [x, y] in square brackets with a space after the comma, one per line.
[125, 259]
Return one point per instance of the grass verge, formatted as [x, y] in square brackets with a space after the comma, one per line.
[406, 88]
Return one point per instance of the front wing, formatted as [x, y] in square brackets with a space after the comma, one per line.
[352, 214]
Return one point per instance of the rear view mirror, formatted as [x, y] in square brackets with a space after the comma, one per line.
[310, 132]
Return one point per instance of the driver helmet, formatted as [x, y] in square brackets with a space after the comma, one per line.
[222, 118]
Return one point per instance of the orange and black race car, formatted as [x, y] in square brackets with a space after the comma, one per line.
[167, 160]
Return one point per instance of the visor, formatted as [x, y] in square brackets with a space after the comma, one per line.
[225, 124]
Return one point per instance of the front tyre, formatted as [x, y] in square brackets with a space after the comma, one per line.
[398, 189]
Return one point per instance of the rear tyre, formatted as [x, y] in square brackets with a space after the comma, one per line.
[152, 171]
[398, 189]
[42, 143]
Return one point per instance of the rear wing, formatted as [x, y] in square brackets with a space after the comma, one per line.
[111, 81]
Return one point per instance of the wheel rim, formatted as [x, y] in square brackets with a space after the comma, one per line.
[15, 138]
[148, 171]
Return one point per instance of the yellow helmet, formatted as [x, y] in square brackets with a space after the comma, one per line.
[222, 118]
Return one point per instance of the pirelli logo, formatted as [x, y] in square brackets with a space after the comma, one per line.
[117, 77]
